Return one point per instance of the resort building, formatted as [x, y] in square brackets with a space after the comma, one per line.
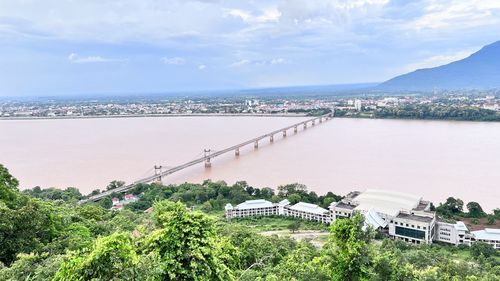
[400, 216]
[488, 235]
[308, 211]
[259, 207]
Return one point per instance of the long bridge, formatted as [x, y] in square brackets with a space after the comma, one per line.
[209, 155]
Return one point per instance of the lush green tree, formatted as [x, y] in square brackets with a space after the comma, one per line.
[294, 226]
[115, 184]
[111, 258]
[8, 188]
[490, 219]
[186, 245]
[475, 210]
[346, 256]
[482, 249]
[294, 198]
[27, 228]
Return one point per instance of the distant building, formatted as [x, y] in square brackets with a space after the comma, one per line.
[358, 105]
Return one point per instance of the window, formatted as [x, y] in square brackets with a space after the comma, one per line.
[408, 232]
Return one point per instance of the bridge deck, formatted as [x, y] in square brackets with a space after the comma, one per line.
[151, 178]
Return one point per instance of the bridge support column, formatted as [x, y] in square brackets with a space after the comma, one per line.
[295, 129]
[237, 152]
[321, 120]
[271, 138]
[313, 122]
[305, 125]
[256, 144]
[284, 133]
[208, 164]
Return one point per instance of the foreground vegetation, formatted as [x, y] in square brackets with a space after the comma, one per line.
[55, 239]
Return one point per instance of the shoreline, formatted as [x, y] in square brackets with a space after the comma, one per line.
[153, 115]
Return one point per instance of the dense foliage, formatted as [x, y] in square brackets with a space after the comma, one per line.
[45, 235]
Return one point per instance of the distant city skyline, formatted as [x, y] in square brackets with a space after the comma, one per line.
[141, 46]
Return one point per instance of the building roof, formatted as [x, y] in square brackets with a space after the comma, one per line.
[284, 202]
[343, 205]
[253, 204]
[228, 207]
[460, 225]
[309, 208]
[385, 202]
[414, 217]
[487, 234]
[373, 218]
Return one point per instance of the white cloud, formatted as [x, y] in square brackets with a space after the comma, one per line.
[267, 15]
[202, 66]
[438, 60]
[273, 61]
[457, 14]
[174, 60]
[75, 58]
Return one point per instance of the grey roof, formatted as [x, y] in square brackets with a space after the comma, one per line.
[254, 204]
[487, 234]
[414, 217]
[343, 205]
[309, 208]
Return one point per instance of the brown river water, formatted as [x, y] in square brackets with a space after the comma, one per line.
[434, 159]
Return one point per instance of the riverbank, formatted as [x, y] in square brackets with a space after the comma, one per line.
[154, 115]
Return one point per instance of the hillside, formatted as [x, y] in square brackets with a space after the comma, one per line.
[480, 70]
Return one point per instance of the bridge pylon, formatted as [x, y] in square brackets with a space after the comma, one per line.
[207, 153]
[158, 172]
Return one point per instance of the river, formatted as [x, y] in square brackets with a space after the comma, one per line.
[434, 159]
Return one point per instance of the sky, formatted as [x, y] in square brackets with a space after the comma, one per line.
[69, 47]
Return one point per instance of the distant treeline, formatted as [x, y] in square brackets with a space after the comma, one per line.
[437, 113]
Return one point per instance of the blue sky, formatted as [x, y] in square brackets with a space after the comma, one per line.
[67, 47]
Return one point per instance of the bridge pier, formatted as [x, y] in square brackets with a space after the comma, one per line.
[295, 129]
[313, 122]
[321, 120]
[208, 164]
[256, 144]
[237, 152]
[284, 133]
[271, 138]
[305, 125]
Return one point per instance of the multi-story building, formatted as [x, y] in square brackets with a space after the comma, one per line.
[308, 211]
[401, 216]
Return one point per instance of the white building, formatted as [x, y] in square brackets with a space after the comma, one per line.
[250, 208]
[402, 216]
[488, 235]
[308, 211]
[358, 105]
[263, 207]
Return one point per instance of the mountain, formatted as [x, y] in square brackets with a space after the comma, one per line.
[480, 70]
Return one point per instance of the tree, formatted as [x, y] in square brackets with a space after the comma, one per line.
[111, 258]
[186, 245]
[8, 187]
[294, 198]
[294, 226]
[482, 249]
[490, 219]
[475, 210]
[346, 256]
[115, 184]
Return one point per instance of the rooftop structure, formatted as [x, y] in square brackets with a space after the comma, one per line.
[252, 204]
[309, 208]
[385, 202]
[488, 235]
